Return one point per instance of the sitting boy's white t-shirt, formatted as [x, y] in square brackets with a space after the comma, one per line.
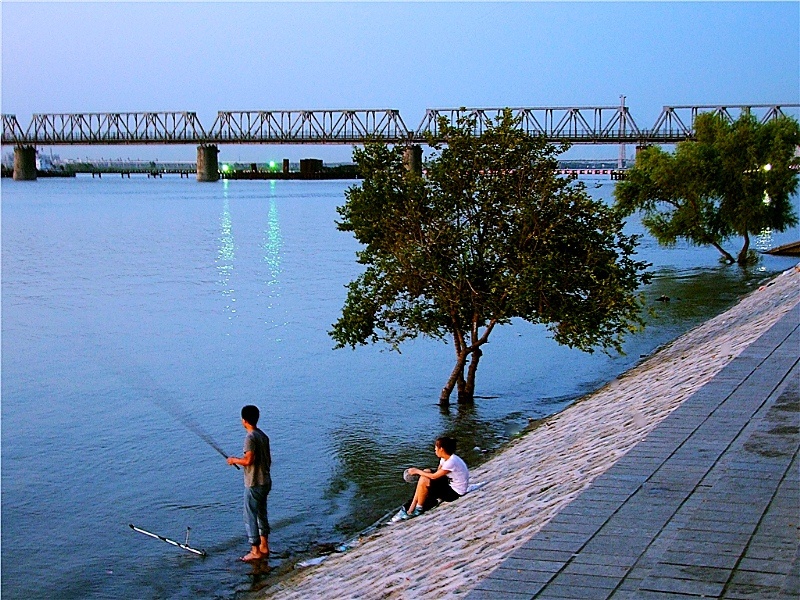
[458, 473]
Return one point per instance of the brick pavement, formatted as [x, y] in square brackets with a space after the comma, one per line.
[708, 505]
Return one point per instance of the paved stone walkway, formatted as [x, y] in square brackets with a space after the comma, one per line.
[708, 505]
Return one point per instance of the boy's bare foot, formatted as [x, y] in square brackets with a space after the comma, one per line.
[264, 550]
[251, 556]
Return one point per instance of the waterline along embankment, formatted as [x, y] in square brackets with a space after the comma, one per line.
[444, 553]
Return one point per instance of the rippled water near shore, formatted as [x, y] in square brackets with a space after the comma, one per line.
[127, 304]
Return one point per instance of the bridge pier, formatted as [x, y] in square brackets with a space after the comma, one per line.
[25, 163]
[412, 158]
[207, 163]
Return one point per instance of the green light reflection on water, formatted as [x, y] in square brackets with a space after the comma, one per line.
[273, 242]
[272, 247]
[226, 254]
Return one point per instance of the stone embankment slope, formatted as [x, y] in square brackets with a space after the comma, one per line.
[446, 552]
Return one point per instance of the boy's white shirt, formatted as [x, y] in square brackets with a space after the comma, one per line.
[457, 472]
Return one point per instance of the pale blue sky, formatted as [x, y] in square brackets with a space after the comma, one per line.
[76, 57]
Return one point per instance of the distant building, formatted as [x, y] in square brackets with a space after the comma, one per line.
[310, 167]
[48, 162]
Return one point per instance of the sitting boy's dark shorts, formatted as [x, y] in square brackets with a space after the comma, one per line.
[439, 490]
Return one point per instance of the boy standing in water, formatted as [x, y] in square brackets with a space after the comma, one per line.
[448, 483]
[256, 461]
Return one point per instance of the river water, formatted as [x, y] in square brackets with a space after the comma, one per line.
[135, 312]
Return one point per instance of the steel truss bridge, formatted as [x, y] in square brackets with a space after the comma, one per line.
[577, 125]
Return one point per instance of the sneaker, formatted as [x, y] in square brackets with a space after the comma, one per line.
[402, 515]
[416, 512]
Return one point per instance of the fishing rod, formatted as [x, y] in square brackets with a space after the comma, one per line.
[185, 546]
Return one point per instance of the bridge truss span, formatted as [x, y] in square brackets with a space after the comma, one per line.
[602, 124]
[678, 121]
[115, 128]
[11, 130]
[576, 125]
[590, 124]
[309, 127]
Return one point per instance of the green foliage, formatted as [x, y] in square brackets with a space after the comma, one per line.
[489, 234]
[717, 186]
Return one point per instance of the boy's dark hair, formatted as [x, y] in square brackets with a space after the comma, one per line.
[447, 444]
[250, 414]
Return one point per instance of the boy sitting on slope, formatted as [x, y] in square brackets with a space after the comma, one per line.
[448, 483]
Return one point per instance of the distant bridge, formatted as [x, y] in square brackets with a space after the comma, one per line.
[577, 125]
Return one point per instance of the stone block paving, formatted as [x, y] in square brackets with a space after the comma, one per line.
[708, 505]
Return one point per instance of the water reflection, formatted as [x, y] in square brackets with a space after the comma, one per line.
[226, 253]
[764, 240]
[259, 577]
[366, 474]
[370, 462]
[685, 297]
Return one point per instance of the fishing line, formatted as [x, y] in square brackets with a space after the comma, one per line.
[184, 418]
[172, 407]
[140, 377]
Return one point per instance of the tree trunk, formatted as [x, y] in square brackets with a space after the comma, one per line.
[742, 259]
[468, 396]
[728, 256]
[456, 375]
[461, 384]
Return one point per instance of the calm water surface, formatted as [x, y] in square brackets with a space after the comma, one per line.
[131, 308]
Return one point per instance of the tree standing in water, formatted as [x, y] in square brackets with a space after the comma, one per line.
[489, 234]
[735, 179]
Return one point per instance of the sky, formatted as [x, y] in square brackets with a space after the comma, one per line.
[205, 57]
